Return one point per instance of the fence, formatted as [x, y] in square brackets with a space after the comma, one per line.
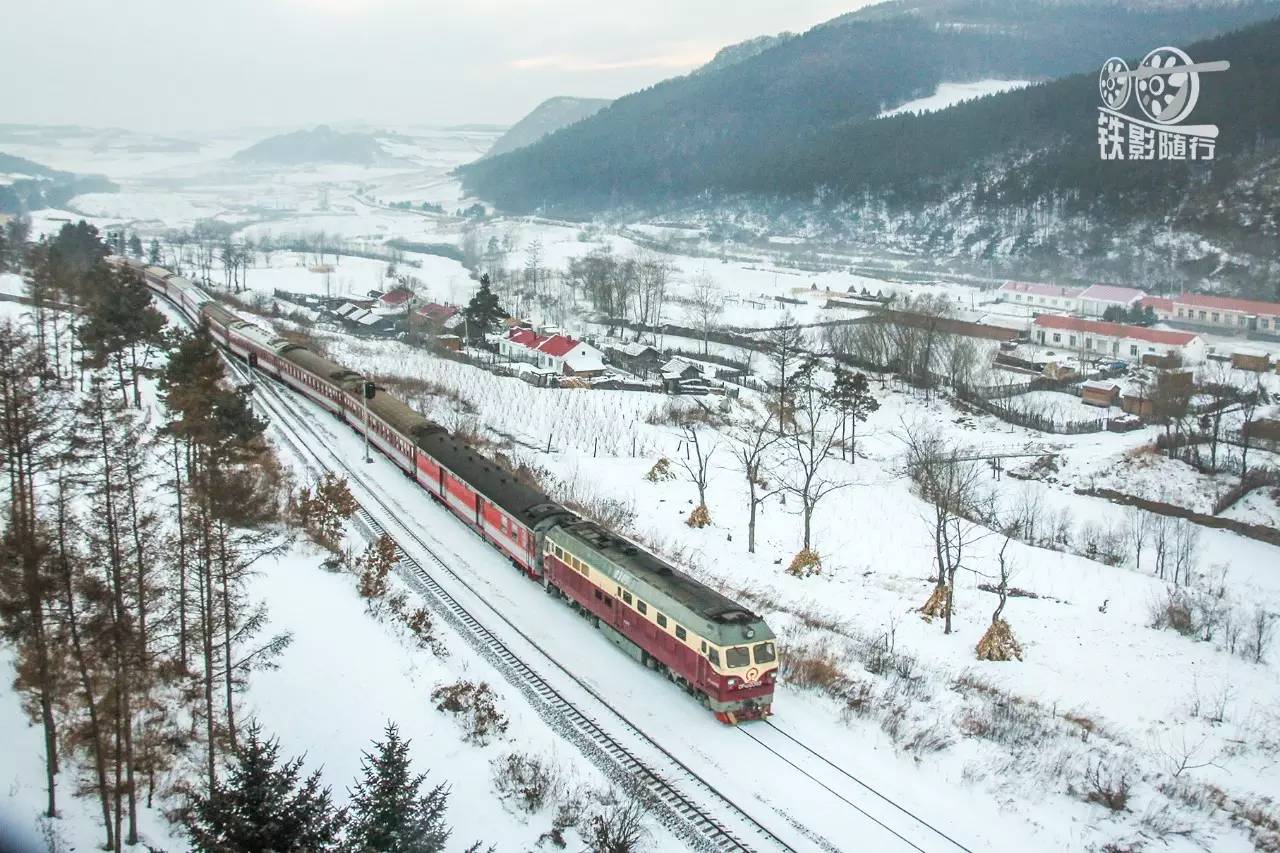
[1030, 420]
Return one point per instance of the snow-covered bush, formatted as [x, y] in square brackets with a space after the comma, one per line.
[528, 781]
[475, 707]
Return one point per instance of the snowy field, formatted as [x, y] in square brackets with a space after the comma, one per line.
[950, 94]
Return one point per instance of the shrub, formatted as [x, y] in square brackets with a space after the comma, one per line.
[374, 565]
[810, 666]
[475, 707]
[617, 828]
[1106, 788]
[527, 780]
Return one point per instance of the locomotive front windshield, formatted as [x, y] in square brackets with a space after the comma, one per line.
[765, 653]
[737, 656]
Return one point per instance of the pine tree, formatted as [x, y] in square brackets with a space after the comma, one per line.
[265, 806]
[153, 252]
[135, 246]
[389, 811]
[483, 311]
[851, 395]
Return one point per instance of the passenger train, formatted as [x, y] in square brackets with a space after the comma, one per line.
[713, 647]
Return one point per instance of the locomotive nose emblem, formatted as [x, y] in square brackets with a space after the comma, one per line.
[753, 674]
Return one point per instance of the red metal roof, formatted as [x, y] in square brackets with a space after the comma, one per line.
[1228, 303]
[557, 345]
[1112, 293]
[399, 296]
[436, 311]
[1156, 303]
[524, 337]
[1115, 330]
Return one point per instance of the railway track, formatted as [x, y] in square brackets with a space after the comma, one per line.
[687, 815]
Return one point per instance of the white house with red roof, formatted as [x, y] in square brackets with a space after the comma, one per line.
[1042, 297]
[393, 303]
[1226, 313]
[1097, 298]
[557, 352]
[1100, 339]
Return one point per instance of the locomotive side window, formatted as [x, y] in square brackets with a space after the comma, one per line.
[681, 633]
[642, 607]
[713, 655]
[737, 656]
[626, 596]
[765, 653]
[662, 621]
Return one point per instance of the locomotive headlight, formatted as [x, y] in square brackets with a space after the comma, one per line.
[733, 682]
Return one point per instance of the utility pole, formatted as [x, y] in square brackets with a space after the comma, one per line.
[369, 390]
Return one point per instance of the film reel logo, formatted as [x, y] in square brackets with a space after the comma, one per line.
[1166, 84]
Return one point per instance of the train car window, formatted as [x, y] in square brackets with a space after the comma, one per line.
[662, 621]
[598, 595]
[765, 653]
[608, 602]
[626, 596]
[642, 607]
[737, 656]
[713, 655]
[681, 633]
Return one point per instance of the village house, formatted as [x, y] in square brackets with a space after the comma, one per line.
[635, 358]
[393, 303]
[559, 353]
[1046, 297]
[1103, 340]
[1226, 313]
[1103, 393]
[1255, 360]
[1097, 298]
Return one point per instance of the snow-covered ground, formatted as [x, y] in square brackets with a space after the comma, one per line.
[950, 94]
[1098, 685]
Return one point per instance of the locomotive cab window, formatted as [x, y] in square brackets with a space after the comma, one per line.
[765, 653]
[737, 656]
[713, 655]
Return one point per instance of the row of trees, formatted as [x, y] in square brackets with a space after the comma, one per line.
[784, 444]
[266, 804]
[129, 543]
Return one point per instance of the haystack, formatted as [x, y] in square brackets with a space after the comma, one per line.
[661, 471]
[700, 517]
[937, 603]
[998, 643]
[806, 563]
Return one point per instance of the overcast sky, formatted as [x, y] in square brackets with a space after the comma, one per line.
[175, 65]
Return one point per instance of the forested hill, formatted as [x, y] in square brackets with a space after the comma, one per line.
[26, 185]
[547, 117]
[322, 144]
[750, 125]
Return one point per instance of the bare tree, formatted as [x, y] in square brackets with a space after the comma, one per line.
[1139, 530]
[814, 435]
[697, 459]
[949, 484]
[786, 349]
[753, 440]
[706, 302]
